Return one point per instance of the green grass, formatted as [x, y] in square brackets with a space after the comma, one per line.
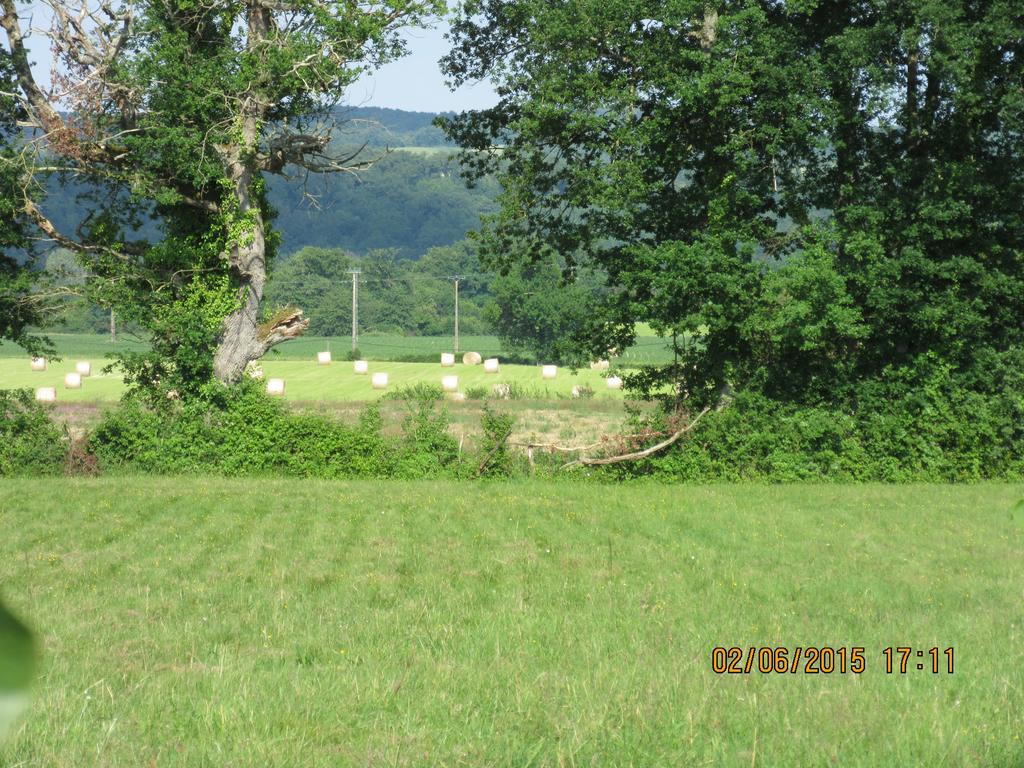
[648, 348]
[201, 622]
[306, 381]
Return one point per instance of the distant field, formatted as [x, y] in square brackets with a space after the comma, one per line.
[648, 349]
[200, 622]
[307, 381]
[294, 361]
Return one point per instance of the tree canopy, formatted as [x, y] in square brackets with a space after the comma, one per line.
[21, 308]
[831, 188]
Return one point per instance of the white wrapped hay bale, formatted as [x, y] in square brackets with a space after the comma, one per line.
[599, 365]
[491, 365]
[380, 381]
[38, 364]
[471, 358]
[361, 367]
[457, 397]
[73, 381]
[548, 371]
[83, 368]
[450, 383]
[614, 382]
[576, 391]
[504, 391]
[323, 358]
[275, 387]
[447, 359]
[46, 394]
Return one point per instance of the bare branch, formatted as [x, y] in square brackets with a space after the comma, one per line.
[636, 455]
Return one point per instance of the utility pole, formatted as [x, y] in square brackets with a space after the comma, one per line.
[456, 314]
[355, 307]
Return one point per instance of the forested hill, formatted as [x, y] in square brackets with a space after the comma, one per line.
[380, 127]
[411, 199]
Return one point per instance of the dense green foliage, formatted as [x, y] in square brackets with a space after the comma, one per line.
[241, 431]
[688, 149]
[30, 442]
[395, 295]
[539, 314]
[20, 307]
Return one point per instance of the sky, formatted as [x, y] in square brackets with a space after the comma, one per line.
[412, 83]
[416, 83]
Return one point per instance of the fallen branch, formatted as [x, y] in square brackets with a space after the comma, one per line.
[587, 462]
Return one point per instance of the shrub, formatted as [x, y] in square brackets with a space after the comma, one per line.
[415, 392]
[30, 443]
[238, 431]
[916, 423]
[427, 449]
[497, 459]
[241, 431]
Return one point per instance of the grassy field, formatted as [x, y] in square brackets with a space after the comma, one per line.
[648, 348]
[201, 622]
[306, 381]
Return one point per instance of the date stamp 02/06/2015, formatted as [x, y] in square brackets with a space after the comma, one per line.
[827, 660]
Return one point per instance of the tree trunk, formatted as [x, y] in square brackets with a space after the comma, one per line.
[243, 338]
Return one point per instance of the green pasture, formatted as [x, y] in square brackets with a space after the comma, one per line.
[648, 348]
[307, 381]
[202, 622]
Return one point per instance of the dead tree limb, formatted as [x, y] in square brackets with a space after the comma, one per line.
[636, 455]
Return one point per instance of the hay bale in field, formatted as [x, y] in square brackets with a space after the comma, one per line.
[614, 382]
[323, 358]
[599, 365]
[46, 394]
[275, 387]
[380, 381]
[576, 391]
[73, 381]
[447, 359]
[83, 368]
[471, 358]
[504, 391]
[361, 367]
[548, 371]
[457, 397]
[38, 364]
[450, 383]
[491, 365]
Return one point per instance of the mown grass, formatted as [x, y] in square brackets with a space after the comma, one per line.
[306, 381]
[211, 622]
[648, 348]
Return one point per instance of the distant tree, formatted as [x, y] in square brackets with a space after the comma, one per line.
[396, 295]
[537, 313]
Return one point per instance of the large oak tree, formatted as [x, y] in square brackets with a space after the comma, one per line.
[829, 187]
[178, 109]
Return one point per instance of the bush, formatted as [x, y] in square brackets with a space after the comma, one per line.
[497, 459]
[30, 443]
[917, 423]
[238, 431]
